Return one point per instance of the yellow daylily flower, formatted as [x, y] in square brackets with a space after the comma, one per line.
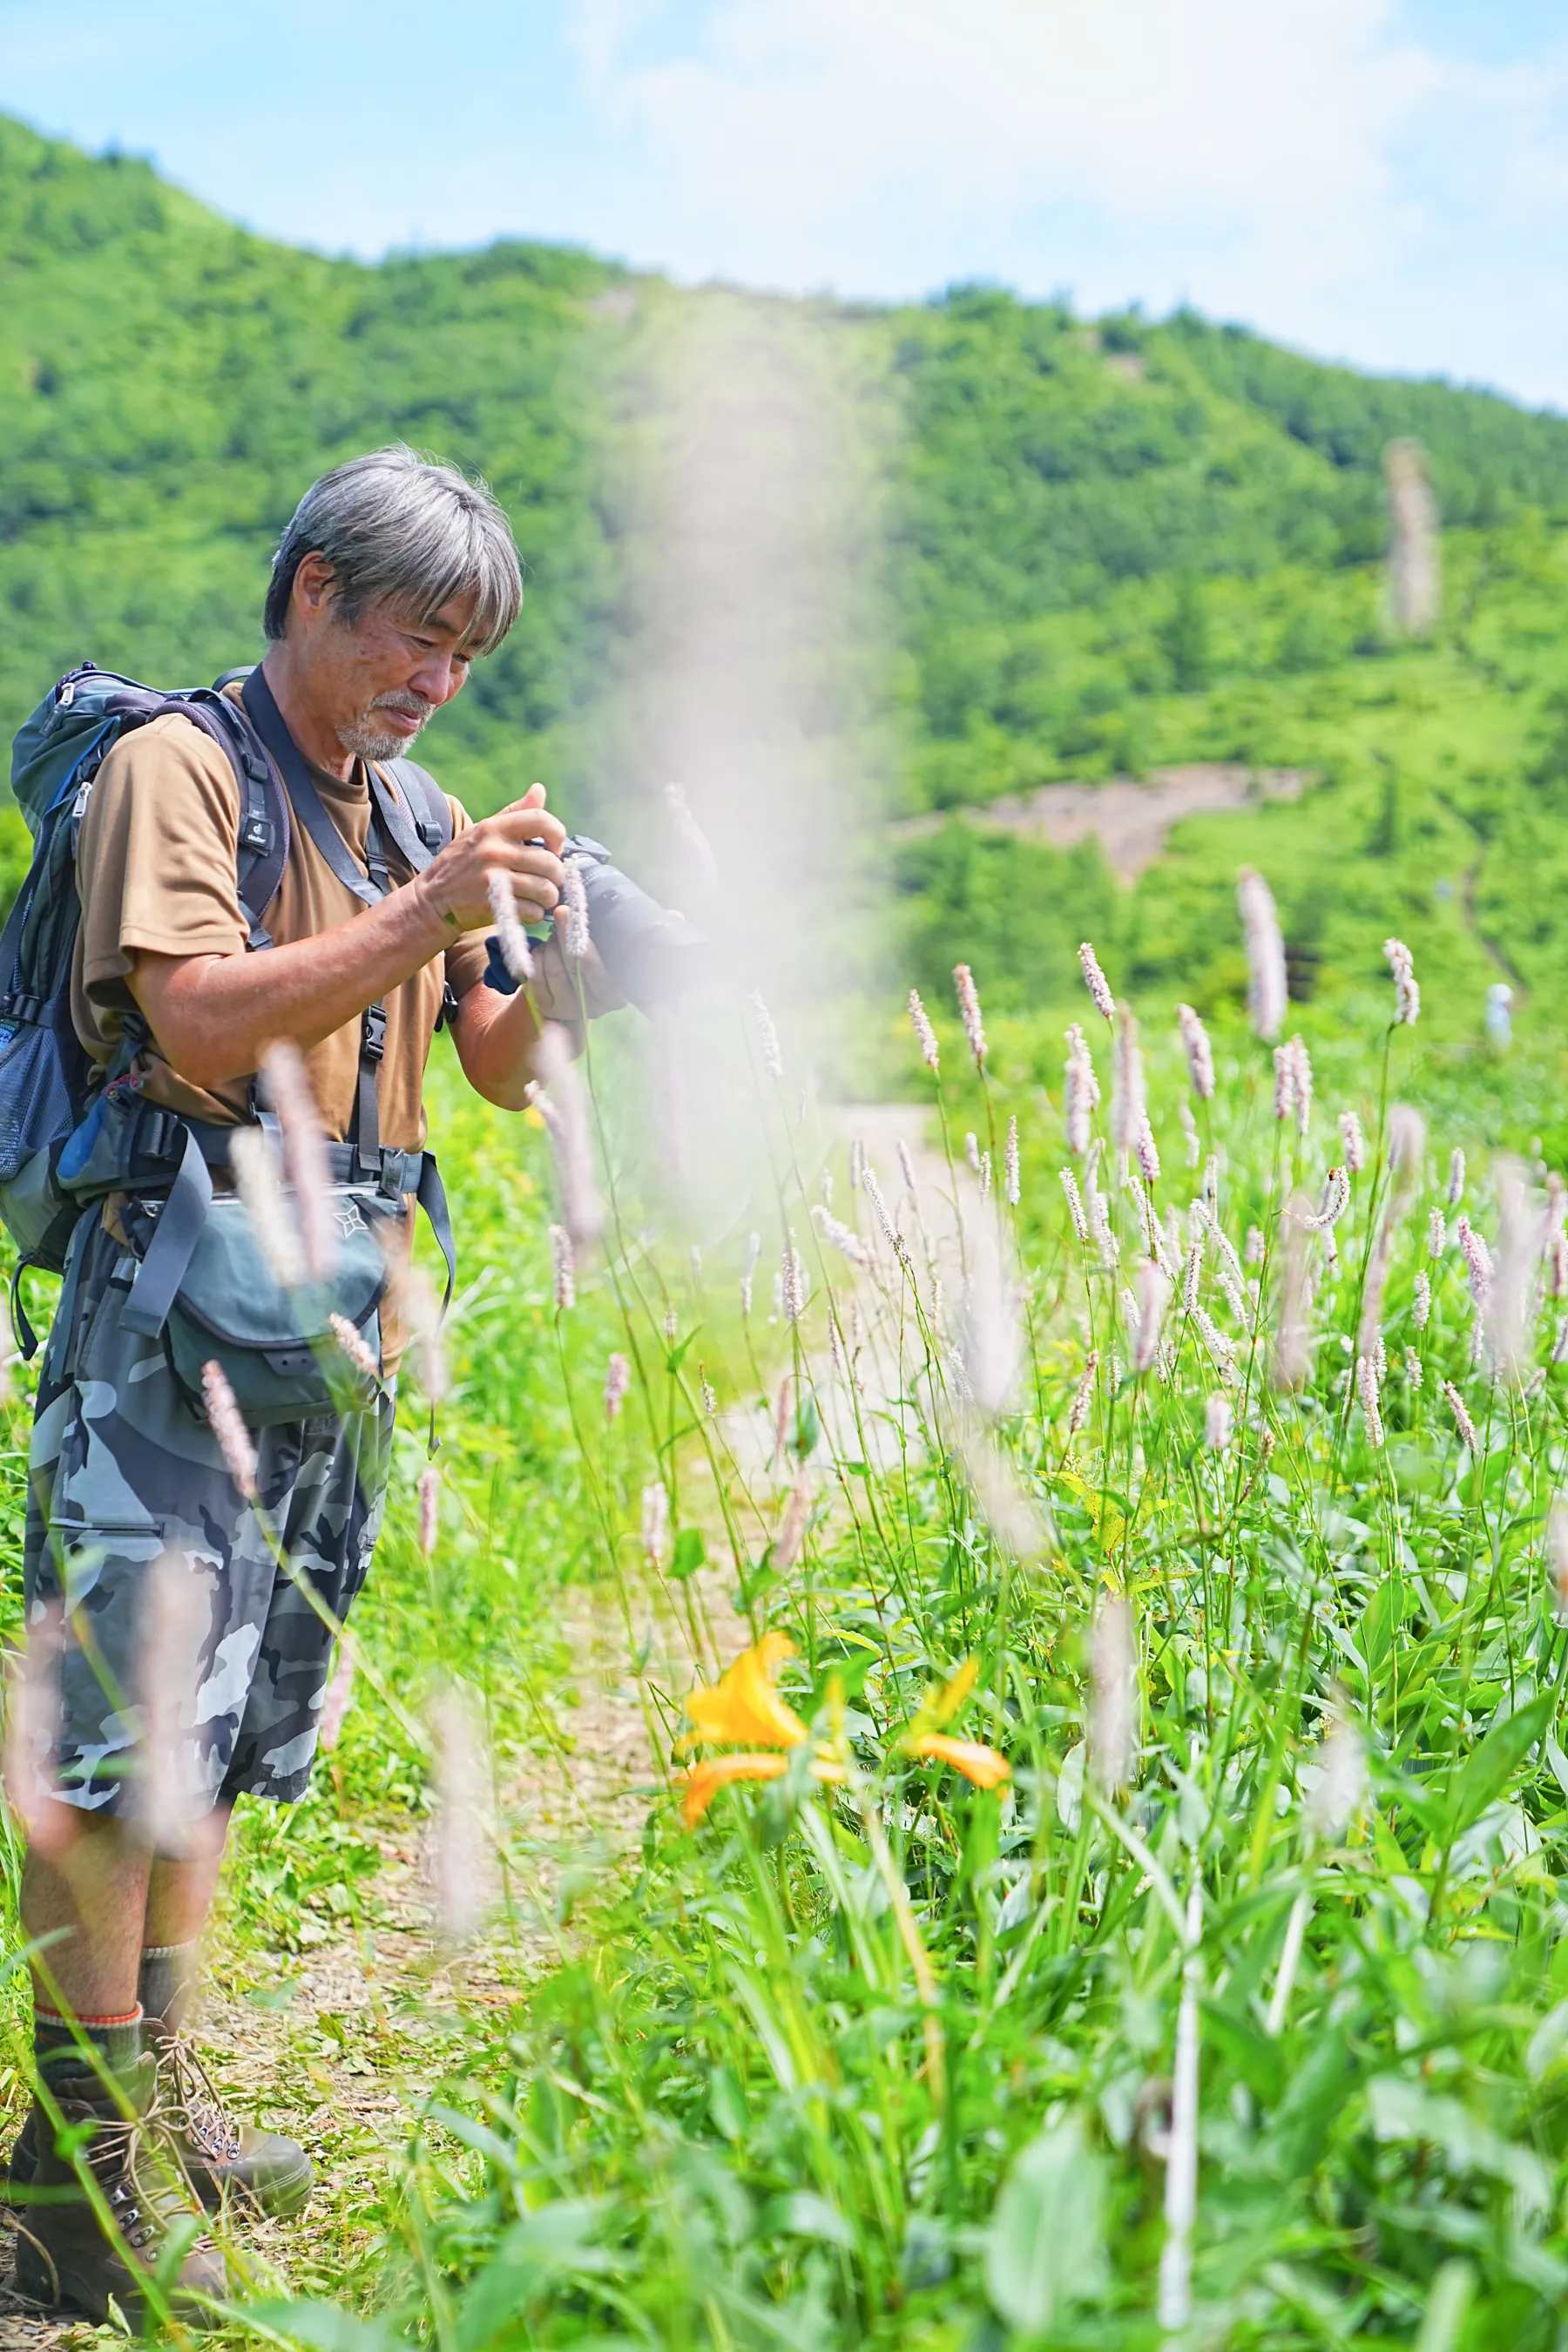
[703, 1781]
[742, 1705]
[947, 1702]
[977, 1762]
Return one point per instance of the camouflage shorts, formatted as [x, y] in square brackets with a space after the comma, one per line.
[129, 1497]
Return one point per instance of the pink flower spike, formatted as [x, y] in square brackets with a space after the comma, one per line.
[354, 1347]
[1084, 1396]
[1336, 1200]
[335, 1706]
[257, 1179]
[1094, 980]
[1462, 1422]
[1081, 1092]
[516, 952]
[768, 1038]
[969, 1006]
[655, 1524]
[1269, 994]
[565, 1270]
[32, 1728]
[1200, 1053]
[1127, 1100]
[574, 898]
[228, 1428]
[925, 1035]
[304, 1156]
[464, 1779]
[695, 841]
[1407, 992]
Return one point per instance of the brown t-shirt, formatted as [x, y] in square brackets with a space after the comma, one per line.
[155, 869]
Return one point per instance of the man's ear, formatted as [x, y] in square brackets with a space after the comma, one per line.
[315, 590]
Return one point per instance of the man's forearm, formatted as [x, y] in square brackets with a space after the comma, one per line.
[213, 1016]
[497, 1038]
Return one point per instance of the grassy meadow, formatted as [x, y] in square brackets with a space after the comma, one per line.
[1234, 2013]
[961, 1782]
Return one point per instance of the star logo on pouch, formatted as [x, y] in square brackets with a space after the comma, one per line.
[348, 1219]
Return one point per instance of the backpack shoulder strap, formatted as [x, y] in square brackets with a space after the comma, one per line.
[262, 851]
[432, 813]
[422, 828]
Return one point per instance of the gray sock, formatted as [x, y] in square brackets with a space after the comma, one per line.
[163, 1987]
[57, 2051]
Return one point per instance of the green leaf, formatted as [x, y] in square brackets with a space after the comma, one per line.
[1487, 1772]
[1259, 2061]
[727, 2103]
[1044, 2246]
[322, 2326]
[548, 2246]
[475, 2135]
[1403, 2111]
[1453, 2285]
[689, 1553]
[1379, 1620]
[1313, 2102]
[805, 2214]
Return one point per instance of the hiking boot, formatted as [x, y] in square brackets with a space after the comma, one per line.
[221, 2156]
[65, 2257]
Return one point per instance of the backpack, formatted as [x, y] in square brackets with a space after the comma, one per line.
[48, 1083]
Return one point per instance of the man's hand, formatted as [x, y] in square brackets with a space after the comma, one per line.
[564, 987]
[523, 842]
[213, 1016]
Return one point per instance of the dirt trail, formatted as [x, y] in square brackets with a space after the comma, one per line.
[374, 2015]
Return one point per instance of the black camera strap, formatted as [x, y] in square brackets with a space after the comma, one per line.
[268, 721]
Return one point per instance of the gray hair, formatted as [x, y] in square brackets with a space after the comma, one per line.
[398, 526]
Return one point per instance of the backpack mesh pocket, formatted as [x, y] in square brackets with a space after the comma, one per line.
[34, 1095]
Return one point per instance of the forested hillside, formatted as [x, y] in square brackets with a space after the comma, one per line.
[1113, 546]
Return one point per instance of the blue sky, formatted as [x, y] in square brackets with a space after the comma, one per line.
[1385, 181]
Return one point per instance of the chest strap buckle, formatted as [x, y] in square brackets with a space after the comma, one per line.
[373, 1033]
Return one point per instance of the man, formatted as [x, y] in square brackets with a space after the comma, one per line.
[394, 575]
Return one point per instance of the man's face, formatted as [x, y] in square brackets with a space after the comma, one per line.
[376, 680]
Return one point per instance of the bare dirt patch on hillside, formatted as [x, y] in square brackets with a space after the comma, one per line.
[1132, 820]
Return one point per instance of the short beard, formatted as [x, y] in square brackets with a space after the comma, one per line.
[362, 739]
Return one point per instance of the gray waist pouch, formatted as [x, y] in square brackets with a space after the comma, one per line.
[275, 1347]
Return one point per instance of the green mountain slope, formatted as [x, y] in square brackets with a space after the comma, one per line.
[169, 384]
[1112, 547]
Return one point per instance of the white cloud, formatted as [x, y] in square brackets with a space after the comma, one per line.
[822, 137]
[1382, 180]
[1527, 105]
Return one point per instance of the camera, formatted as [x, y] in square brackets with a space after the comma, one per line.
[652, 955]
